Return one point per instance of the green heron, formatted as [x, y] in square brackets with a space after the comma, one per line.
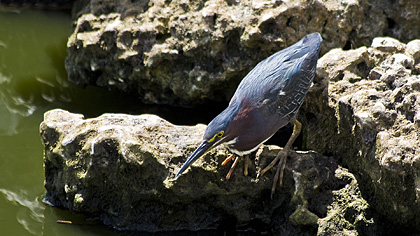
[267, 99]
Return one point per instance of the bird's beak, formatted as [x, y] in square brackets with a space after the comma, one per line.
[203, 148]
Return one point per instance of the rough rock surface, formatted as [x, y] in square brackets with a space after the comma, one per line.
[348, 213]
[185, 52]
[119, 168]
[365, 108]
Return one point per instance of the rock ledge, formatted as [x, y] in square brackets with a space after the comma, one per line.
[119, 168]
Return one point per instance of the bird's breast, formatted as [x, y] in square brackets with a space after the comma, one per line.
[250, 128]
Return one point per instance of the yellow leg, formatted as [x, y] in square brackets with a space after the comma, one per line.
[237, 159]
[228, 159]
[282, 156]
[246, 164]
[280, 172]
[232, 168]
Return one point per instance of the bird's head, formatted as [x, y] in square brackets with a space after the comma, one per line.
[217, 132]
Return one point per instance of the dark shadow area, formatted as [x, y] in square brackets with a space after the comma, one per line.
[94, 101]
[282, 136]
[49, 5]
[348, 45]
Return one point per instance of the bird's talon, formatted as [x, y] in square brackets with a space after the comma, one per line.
[269, 166]
[246, 164]
[276, 176]
[228, 159]
[232, 168]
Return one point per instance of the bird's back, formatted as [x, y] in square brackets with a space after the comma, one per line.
[279, 83]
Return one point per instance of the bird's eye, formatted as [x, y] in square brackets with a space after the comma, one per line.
[218, 135]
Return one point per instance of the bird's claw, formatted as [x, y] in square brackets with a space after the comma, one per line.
[271, 164]
[246, 164]
[279, 174]
[228, 159]
[232, 168]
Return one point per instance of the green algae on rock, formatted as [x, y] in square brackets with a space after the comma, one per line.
[347, 215]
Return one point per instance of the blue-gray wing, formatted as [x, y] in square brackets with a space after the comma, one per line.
[286, 98]
[279, 83]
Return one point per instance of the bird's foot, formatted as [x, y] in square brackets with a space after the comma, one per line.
[232, 168]
[280, 172]
[271, 164]
[282, 156]
[247, 161]
[237, 159]
[228, 159]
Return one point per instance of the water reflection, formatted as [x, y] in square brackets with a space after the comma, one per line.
[9, 121]
[31, 61]
[31, 211]
[32, 78]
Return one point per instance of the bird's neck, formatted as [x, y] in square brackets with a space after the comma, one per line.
[240, 115]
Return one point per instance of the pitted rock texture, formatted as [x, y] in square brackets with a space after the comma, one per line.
[119, 168]
[348, 213]
[365, 108]
[188, 52]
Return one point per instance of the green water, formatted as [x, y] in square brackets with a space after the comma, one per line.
[32, 81]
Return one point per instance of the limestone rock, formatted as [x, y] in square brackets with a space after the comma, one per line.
[120, 168]
[365, 108]
[187, 52]
[347, 215]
